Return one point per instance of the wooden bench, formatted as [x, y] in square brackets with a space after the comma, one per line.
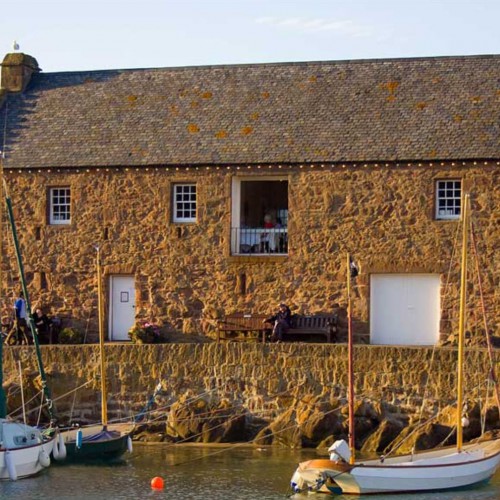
[314, 324]
[241, 326]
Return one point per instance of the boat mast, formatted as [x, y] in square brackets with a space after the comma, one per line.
[461, 326]
[104, 397]
[350, 383]
[31, 321]
[3, 398]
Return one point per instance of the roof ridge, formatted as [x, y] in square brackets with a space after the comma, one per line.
[283, 63]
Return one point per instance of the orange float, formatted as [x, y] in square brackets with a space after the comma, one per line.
[157, 483]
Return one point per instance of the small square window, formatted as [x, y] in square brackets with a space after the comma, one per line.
[185, 203]
[60, 205]
[448, 199]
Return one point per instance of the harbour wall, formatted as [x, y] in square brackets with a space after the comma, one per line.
[261, 379]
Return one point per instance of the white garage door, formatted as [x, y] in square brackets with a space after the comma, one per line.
[404, 309]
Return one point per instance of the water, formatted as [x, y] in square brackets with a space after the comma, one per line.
[196, 473]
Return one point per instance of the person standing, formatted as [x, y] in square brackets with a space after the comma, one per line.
[265, 237]
[21, 324]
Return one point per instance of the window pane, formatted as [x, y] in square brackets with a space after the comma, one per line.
[448, 195]
[184, 203]
[60, 206]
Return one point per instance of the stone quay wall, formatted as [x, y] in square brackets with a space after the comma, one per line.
[262, 380]
[185, 275]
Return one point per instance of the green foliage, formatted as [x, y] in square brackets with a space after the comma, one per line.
[70, 336]
[144, 333]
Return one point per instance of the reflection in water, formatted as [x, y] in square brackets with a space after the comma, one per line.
[195, 473]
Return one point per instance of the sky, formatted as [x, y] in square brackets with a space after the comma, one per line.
[73, 35]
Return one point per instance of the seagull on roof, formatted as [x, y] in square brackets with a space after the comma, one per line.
[15, 45]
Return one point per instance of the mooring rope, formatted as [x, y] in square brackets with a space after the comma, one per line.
[246, 443]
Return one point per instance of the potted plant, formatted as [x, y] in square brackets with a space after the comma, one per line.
[144, 333]
[70, 336]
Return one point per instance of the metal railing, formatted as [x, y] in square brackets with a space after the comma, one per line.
[259, 240]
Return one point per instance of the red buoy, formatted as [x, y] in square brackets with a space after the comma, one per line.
[157, 483]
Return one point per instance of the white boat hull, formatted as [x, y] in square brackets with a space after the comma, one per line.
[430, 471]
[26, 460]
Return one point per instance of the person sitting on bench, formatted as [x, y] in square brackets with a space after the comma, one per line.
[43, 325]
[282, 322]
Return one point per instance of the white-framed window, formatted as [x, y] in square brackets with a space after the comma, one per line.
[184, 203]
[60, 205]
[448, 198]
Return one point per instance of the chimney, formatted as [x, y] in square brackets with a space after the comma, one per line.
[17, 69]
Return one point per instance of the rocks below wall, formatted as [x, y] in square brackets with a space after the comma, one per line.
[312, 423]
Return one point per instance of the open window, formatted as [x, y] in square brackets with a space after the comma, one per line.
[259, 216]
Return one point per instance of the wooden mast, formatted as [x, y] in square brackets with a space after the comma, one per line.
[350, 383]
[3, 398]
[102, 356]
[461, 326]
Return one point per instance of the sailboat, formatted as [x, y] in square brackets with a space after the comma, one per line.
[99, 442]
[446, 468]
[24, 450]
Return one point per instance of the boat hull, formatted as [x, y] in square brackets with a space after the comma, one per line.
[97, 445]
[432, 471]
[26, 460]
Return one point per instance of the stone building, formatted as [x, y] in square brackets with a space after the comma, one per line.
[230, 188]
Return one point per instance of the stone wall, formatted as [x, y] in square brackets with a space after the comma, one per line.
[262, 379]
[185, 275]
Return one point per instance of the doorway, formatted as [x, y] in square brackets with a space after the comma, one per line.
[122, 307]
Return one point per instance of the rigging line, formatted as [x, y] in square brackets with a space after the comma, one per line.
[221, 424]
[53, 400]
[442, 443]
[186, 403]
[213, 417]
[40, 412]
[19, 408]
[215, 411]
[239, 445]
[484, 413]
[195, 398]
[418, 427]
[426, 388]
[22, 391]
[72, 406]
[485, 320]
[3, 153]
[448, 274]
[391, 447]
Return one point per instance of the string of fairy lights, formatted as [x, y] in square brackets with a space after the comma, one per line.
[261, 167]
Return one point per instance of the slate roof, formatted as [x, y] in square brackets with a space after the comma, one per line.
[367, 110]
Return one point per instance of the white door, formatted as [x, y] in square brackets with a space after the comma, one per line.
[122, 310]
[404, 309]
